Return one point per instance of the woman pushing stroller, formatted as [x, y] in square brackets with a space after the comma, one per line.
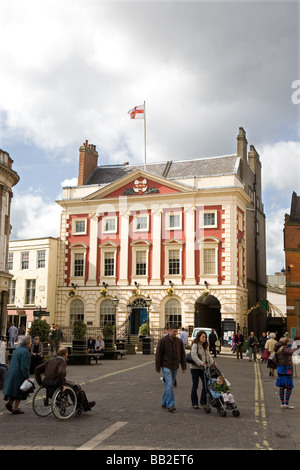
[202, 359]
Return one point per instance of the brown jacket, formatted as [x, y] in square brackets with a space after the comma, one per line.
[170, 353]
[283, 355]
[54, 370]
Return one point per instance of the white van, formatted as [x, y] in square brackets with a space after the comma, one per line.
[208, 332]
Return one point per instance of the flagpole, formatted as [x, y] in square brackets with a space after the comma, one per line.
[145, 133]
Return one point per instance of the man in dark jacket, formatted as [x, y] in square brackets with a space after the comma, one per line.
[55, 371]
[238, 342]
[169, 355]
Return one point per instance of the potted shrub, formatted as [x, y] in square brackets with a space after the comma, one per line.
[40, 328]
[79, 336]
[108, 332]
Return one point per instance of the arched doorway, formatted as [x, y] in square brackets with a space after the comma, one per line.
[138, 316]
[208, 313]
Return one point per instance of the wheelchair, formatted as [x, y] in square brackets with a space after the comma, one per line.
[48, 399]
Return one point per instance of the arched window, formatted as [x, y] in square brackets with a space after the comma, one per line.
[76, 311]
[173, 312]
[107, 313]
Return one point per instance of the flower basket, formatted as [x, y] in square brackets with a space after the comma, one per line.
[135, 291]
[205, 293]
[103, 292]
[71, 293]
[170, 291]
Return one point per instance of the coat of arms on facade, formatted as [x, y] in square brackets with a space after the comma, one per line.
[140, 186]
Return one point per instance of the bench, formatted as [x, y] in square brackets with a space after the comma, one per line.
[114, 354]
[84, 358]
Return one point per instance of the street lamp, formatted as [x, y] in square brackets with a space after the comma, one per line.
[115, 302]
[129, 308]
[148, 303]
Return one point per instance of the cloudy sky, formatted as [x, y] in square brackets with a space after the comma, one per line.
[71, 70]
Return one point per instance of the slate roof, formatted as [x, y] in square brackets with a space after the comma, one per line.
[173, 170]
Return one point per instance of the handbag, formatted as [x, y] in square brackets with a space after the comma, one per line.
[27, 386]
[189, 358]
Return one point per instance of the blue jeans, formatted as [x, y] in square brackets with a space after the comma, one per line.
[168, 396]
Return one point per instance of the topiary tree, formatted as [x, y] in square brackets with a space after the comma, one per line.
[40, 328]
[79, 330]
[108, 330]
[143, 330]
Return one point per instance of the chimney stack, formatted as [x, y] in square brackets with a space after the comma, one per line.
[242, 144]
[88, 161]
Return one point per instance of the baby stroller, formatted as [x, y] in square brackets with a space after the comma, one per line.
[214, 398]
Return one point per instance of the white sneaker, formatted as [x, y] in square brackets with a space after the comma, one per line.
[291, 407]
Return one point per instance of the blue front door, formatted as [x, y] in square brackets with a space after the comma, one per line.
[137, 318]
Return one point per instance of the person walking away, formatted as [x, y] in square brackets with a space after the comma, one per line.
[202, 358]
[212, 342]
[169, 355]
[269, 347]
[12, 333]
[252, 345]
[262, 342]
[239, 341]
[21, 332]
[55, 371]
[37, 353]
[184, 336]
[284, 371]
[18, 372]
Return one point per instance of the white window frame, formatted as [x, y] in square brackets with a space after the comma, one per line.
[138, 246]
[38, 260]
[78, 249]
[10, 261]
[109, 247]
[74, 231]
[173, 245]
[208, 211]
[23, 260]
[12, 292]
[104, 221]
[209, 243]
[139, 216]
[168, 216]
[32, 291]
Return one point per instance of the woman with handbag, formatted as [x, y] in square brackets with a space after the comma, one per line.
[201, 358]
[18, 371]
[269, 347]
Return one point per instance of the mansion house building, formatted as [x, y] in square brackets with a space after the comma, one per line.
[178, 241]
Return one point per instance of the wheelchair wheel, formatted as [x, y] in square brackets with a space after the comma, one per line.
[41, 404]
[64, 403]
